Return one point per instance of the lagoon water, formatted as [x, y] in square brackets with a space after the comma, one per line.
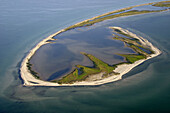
[24, 23]
[53, 60]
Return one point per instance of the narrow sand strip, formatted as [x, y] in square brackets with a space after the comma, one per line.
[29, 80]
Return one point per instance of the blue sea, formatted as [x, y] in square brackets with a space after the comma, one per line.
[23, 23]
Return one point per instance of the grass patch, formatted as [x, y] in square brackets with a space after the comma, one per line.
[132, 43]
[127, 40]
[131, 58]
[99, 66]
[162, 4]
[138, 50]
[122, 33]
[104, 67]
[35, 74]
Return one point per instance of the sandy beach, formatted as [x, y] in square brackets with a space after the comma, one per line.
[30, 80]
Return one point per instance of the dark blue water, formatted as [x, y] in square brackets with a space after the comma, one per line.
[24, 23]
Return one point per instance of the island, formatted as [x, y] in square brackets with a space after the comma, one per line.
[100, 72]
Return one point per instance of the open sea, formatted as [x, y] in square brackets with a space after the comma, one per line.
[24, 23]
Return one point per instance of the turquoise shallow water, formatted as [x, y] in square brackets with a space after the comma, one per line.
[25, 23]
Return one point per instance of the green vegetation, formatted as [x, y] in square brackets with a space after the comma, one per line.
[162, 4]
[138, 50]
[35, 74]
[109, 16]
[134, 44]
[131, 58]
[104, 67]
[126, 40]
[114, 12]
[99, 66]
[120, 32]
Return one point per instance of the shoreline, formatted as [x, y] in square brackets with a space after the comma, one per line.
[30, 80]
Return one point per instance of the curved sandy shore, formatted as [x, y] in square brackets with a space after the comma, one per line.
[29, 80]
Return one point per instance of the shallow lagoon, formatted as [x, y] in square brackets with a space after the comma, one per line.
[65, 53]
